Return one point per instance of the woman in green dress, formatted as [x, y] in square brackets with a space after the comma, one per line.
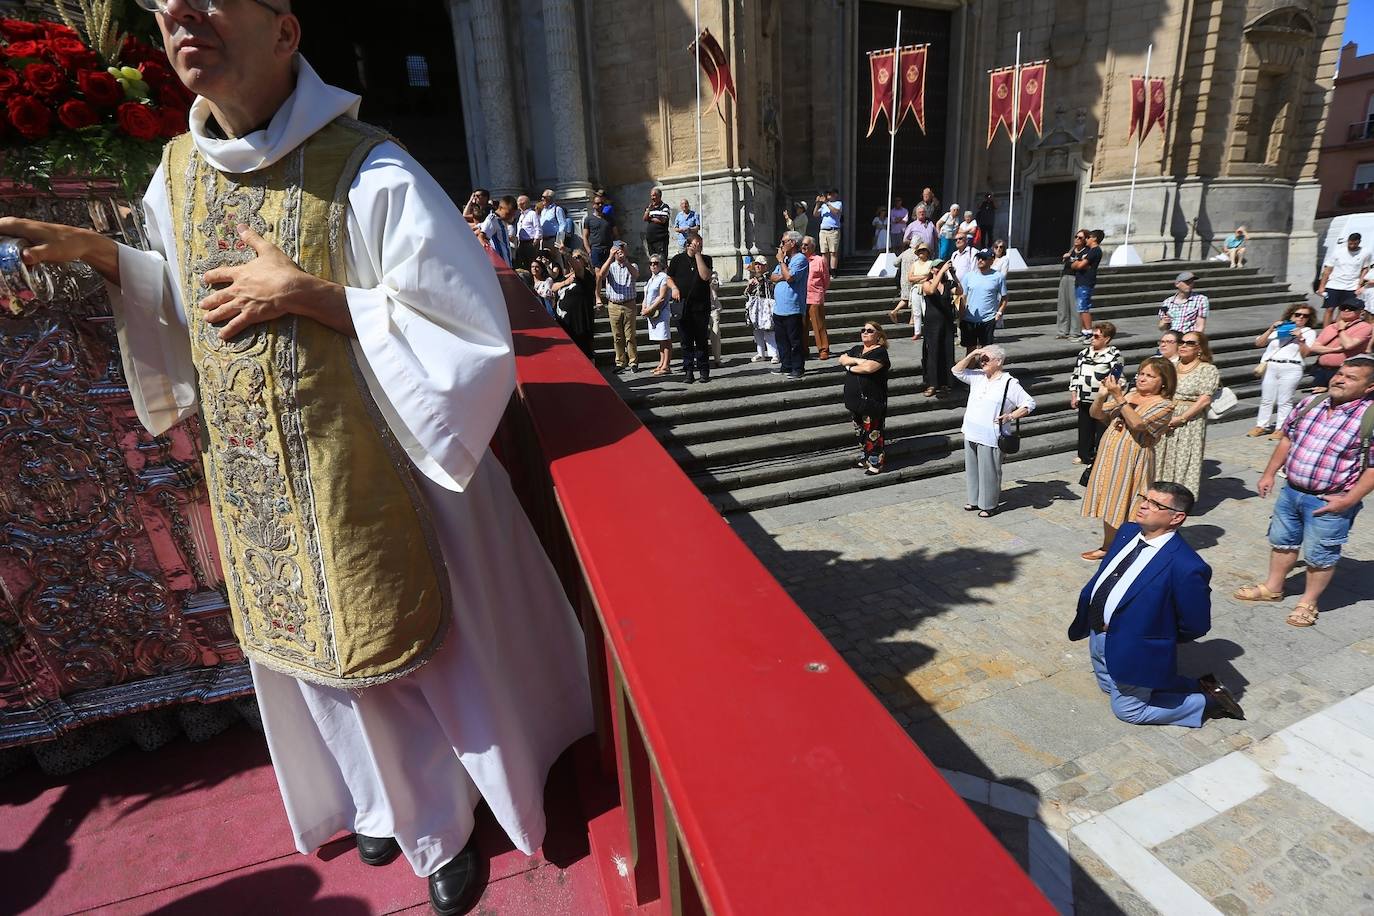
[1178, 457]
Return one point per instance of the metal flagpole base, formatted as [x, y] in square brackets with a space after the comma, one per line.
[1014, 260]
[884, 266]
[1125, 256]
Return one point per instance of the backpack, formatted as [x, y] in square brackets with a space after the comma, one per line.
[1366, 425]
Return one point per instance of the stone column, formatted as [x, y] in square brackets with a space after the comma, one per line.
[503, 158]
[564, 57]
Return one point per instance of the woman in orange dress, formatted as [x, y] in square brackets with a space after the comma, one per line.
[1125, 464]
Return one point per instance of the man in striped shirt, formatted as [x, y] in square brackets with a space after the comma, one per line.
[1327, 464]
[1185, 310]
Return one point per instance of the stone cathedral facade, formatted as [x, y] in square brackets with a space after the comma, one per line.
[577, 94]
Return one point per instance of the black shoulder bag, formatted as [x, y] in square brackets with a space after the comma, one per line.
[1008, 443]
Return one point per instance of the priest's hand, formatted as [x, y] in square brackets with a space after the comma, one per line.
[268, 287]
[52, 243]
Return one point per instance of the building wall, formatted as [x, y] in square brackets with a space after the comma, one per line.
[1248, 83]
[1350, 101]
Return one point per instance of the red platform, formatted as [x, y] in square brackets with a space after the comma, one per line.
[199, 829]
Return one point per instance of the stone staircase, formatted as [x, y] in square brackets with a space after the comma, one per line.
[751, 439]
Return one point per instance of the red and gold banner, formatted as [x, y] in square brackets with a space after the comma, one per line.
[1001, 98]
[913, 64]
[1156, 110]
[716, 67]
[1137, 107]
[1031, 107]
[880, 64]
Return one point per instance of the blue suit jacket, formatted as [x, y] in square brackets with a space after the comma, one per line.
[1168, 603]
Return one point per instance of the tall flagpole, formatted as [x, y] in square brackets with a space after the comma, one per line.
[892, 129]
[1015, 129]
[1127, 255]
[701, 204]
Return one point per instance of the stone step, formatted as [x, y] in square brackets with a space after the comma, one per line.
[843, 326]
[921, 460]
[725, 443]
[723, 411]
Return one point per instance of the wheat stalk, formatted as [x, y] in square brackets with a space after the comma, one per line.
[100, 25]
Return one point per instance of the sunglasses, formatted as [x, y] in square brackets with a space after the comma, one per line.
[1304, 315]
[1188, 343]
[869, 331]
[1080, 236]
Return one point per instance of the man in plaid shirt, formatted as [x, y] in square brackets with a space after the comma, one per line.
[1328, 471]
[1185, 310]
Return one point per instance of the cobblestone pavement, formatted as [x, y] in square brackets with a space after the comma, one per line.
[957, 623]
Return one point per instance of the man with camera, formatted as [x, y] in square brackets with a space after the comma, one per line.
[617, 277]
[830, 211]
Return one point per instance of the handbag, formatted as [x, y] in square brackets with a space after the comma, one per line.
[1262, 368]
[1008, 443]
[1223, 401]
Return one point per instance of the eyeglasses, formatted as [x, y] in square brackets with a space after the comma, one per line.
[200, 6]
[1156, 504]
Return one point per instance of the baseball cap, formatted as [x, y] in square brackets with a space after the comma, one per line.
[985, 255]
[760, 259]
[1351, 306]
[617, 244]
[1185, 276]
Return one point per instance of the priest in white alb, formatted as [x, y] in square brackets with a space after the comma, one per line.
[317, 298]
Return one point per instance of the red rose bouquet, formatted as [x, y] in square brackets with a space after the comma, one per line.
[67, 110]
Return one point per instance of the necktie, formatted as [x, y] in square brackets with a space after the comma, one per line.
[1097, 607]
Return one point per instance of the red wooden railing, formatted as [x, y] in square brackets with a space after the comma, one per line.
[756, 772]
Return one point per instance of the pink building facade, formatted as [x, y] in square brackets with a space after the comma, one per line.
[1345, 168]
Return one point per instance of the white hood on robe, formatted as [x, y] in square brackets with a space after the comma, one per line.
[306, 111]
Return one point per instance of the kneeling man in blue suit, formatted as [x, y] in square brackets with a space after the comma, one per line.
[1151, 593]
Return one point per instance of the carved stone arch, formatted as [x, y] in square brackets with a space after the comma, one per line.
[1268, 92]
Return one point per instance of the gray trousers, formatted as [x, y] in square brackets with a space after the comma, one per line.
[983, 475]
[1066, 317]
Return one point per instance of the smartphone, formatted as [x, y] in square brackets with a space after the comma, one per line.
[1118, 371]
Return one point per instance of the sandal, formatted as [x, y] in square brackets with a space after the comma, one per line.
[929, 392]
[1304, 615]
[1256, 593]
[1093, 555]
[969, 508]
[986, 513]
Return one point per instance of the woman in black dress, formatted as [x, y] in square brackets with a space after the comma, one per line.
[575, 294]
[937, 350]
[866, 367]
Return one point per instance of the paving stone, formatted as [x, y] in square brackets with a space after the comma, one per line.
[961, 636]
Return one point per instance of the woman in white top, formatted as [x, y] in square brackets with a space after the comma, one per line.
[543, 283]
[658, 309]
[969, 226]
[995, 399]
[1000, 263]
[1283, 366]
[947, 227]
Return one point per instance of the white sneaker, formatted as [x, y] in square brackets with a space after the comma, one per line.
[776, 361]
[756, 358]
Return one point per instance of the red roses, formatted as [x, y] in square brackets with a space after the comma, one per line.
[76, 114]
[99, 88]
[45, 80]
[29, 116]
[138, 121]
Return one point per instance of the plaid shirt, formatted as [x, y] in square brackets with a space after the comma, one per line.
[1184, 315]
[1325, 457]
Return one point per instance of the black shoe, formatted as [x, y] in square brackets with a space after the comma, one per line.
[705, 378]
[376, 850]
[1220, 698]
[455, 887]
[691, 379]
[619, 369]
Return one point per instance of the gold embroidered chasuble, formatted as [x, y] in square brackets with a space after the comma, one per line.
[332, 571]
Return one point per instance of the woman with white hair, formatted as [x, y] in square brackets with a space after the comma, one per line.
[947, 227]
[995, 400]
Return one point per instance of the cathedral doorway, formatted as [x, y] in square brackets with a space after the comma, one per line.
[1051, 220]
[402, 62]
[920, 158]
